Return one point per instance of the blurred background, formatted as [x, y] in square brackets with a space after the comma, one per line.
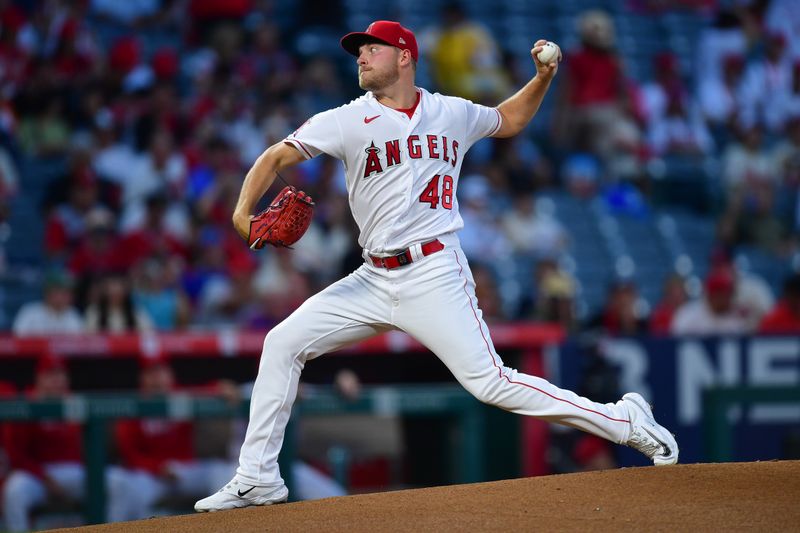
[641, 234]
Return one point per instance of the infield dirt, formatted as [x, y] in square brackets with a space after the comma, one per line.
[760, 496]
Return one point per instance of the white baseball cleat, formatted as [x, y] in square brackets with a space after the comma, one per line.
[647, 436]
[236, 494]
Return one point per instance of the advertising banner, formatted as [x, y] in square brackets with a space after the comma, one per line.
[673, 375]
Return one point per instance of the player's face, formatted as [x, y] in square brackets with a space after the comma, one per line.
[377, 66]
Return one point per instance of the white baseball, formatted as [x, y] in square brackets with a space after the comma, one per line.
[549, 53]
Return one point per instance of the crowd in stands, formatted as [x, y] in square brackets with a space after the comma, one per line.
[155, 140]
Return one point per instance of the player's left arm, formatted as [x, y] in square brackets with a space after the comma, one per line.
[520, 108]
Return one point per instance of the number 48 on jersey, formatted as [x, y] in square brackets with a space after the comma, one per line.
[431, 194]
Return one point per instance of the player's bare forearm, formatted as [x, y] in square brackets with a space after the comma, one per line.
[258, 179]
[518, 110]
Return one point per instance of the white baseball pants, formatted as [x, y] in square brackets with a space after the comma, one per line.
[433, 300]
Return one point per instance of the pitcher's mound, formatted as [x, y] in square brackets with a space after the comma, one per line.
[763, 496]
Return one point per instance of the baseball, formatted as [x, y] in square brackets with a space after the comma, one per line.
[549, 53]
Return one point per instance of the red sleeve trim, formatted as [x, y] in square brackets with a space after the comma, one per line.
[499, 122]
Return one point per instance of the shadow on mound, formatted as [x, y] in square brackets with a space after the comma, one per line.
[759, 496]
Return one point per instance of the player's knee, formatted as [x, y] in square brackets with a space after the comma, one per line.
[18, 487]
[483, 392]
[279, 343]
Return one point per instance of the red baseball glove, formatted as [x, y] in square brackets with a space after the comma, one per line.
[283, 222]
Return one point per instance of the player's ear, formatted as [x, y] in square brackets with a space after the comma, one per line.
[405, 57]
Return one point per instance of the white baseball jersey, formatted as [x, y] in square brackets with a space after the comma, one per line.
[402, 173]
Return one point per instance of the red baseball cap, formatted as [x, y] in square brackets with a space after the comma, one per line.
[49, 362]
[382, 31]
[720, 280]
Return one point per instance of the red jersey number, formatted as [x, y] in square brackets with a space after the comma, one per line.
[432, 196]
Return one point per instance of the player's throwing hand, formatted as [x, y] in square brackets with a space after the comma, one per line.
[546, 55]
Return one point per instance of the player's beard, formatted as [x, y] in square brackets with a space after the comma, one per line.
[379, 80]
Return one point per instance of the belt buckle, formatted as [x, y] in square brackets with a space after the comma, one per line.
[402, 259]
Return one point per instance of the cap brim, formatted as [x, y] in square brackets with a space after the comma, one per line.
[353, 41]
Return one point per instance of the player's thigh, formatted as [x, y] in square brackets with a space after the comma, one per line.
[147, 488]
[350, 310]
[198, 477]
[444, 315]
[69, 476]
[22, 488]
[311, 484]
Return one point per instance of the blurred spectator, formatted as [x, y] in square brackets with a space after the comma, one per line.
[157, 291]
[235, 121]
[594, 100]
[716, 312]
[99, 251]
[332, 236]
[487, 293]
[112, 309]
[673, 296]
[159, 169]
[266, 64]
[217, 162]
[766, 87]
[482, 236]
[159, 232]
[54, 314]
[674, 125]
[753, 293]
[45, 133]
[555, 295]
[519, 161]
[221, 282]
[113, 159]
[319, 88]
[209, 15]
[748, 173]
[668, 85]
[280, 289]
[465, 59]
[532, 229]
[47, 458]
[66, 225]
[720, 97]
[73, 56]
[723, 38]
[622, 313]
[785, 317]
[158, 454]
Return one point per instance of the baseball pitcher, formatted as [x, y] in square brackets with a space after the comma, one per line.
[402, 148]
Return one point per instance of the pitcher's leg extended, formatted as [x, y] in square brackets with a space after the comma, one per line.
[345, 312]
[457, 334]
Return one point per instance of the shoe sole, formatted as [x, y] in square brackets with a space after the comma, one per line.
[248, 504]
[642, 404]
[242, 503]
